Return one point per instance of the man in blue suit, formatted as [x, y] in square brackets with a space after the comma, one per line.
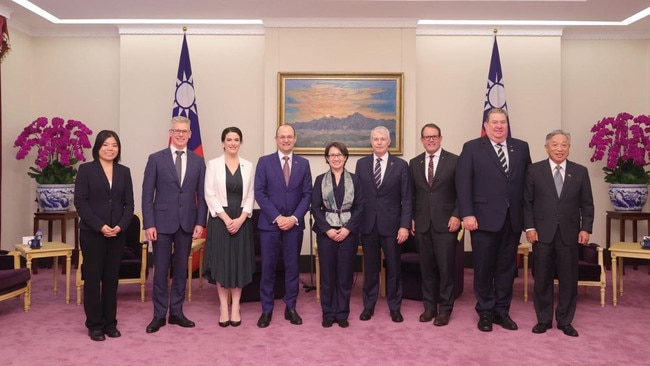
[283, 192]
[490, 177]
[385, 223]
[174, 213]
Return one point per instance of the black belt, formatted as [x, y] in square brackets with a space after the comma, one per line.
[338, 210]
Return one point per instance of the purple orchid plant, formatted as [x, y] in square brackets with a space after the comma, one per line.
[626, 142]
[60, 146]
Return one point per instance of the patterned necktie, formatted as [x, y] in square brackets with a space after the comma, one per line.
[378, 173]
[557, 177]
[285, 170]
[430, 171]
[178, 163]
[502, 157]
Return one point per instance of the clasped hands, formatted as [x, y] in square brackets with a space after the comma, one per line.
[338, 235]
[110, 232]
[286, 222]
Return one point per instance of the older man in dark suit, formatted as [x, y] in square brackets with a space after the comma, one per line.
[174, 213]
[385, 223]
[490, 178]
[558, 216]
[435, 223]
[283, 192]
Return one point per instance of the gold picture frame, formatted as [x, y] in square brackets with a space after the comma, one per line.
[326, 107]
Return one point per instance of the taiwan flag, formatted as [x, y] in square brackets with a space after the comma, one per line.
[495, 96]
[185, 100]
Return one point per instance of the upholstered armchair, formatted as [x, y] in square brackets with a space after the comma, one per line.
[14, 280]
[591, 269]
[133, 268]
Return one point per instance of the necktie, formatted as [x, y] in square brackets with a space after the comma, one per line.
[285, 170]
[502, 157]
[378, 173]
[430, 171]
[179, 165]
[557, 177]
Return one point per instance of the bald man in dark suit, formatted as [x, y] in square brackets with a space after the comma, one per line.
[558, 216]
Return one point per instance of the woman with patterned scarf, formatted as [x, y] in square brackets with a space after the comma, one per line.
[336, 206]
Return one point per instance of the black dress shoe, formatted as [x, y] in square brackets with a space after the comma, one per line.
[181, 320]
[292, 316]
[365, 315]
[224, 324]
[112, 333]
[540, 327]
[427, 316]
[396, 316]
[96, 335]
[235, 323]
[343, 323]
[264, 320]
[441, 320]
[568, 330]
[485, 323]
[327, 323]
[505, 322]
[155, 324]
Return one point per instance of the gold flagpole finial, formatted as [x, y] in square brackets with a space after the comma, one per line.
[495, 31]
[184, 29]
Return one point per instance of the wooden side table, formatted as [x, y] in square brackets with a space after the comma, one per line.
[622, 217]
[62, 217]
[50, 250]
[619, 251]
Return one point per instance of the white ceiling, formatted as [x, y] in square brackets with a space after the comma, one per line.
[346, 13]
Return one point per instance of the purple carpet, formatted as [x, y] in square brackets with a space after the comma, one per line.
[52, 333]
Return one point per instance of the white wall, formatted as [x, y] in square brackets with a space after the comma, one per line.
[127, 84]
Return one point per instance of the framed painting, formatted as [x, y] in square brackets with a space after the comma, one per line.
[341, 107]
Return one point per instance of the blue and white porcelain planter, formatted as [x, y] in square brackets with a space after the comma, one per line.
[55, 197]
[628, 197]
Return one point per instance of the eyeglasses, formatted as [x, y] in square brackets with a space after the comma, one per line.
[180, 132]
[335, 156]
[431, 138]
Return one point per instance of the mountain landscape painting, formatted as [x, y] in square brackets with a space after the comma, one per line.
[344, 108]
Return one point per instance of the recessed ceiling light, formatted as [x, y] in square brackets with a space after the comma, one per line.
[44, 14]
[638, 16]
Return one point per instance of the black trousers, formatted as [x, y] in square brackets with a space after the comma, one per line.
[549, 259]
[100, 271]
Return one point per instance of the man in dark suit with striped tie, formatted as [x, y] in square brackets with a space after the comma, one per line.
[558, 216]
[385, 223]
[490, 178]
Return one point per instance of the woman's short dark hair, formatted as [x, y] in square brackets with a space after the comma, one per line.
[102, 136]
[339, 145]
[228, 130]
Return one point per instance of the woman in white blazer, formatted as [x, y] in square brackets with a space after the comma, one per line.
[229, 257]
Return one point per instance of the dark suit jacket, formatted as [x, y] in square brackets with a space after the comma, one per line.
[99, 204]
[573, 210]
[165, 204]
[389, 206]
[485, 190]
[275, 198]
[435, 205]
[318, 209]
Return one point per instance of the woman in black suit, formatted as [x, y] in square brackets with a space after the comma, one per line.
[336, 206]
[103, 197]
